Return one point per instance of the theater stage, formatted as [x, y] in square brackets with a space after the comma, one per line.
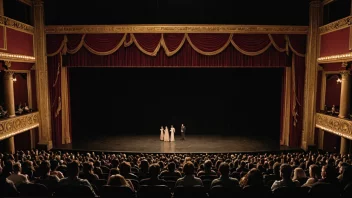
[192, 144]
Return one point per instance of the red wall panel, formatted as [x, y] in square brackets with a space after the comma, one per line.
[19, 42]
[333, 67]
[333, 91]
[336, 42]
[2, 37]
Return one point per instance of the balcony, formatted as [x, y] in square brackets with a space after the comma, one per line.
[338, 126]
[16, 125]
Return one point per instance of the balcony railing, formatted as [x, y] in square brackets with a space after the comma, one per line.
[338, 126]
[18, 124]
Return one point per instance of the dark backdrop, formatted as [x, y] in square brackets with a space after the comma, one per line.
[208, 101]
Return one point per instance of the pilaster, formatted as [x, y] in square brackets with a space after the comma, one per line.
[1, 7]
[310, 84]
[9, 95]
[45, 137]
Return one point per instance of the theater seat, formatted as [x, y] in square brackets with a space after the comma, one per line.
[117, 191]
[33, 190]
[190, 192]
[158, 191]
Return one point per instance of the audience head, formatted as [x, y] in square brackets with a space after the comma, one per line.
[188, 168]
[114, 171]
[125, 168]
[73, 169]
[144, 166]
[154, 170]
[44, 168]
[276, 168]
[285, 171]
[314, 171]
[328, 172]
[208, 165]
[171, 167]
[224, 169]
[298, 173]
[117, 180]
[17, 167]
[254, 177]
[88, 167]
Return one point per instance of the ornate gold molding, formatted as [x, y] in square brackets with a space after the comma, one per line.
[336, 58]
[325, 2]
[18, 124]
[240, 29]
[335, 125]
[336, 25]
[11, 23]
[16, 58]
[27, 2]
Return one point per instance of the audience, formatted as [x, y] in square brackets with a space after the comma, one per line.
[255, 174]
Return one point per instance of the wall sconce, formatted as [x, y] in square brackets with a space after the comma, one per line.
[338, 81]
[14, 79]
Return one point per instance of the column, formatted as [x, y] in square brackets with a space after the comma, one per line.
[1, 7]
[310, 83]
[45, 138]
[10, 106]
[345, 106]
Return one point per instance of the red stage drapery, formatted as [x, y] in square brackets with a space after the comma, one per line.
[178, 50]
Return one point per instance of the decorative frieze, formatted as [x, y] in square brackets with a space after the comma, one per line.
[16, 58]
[336, 25]
[18, 124]
[338, 126]
[240, 29]
[11, 23]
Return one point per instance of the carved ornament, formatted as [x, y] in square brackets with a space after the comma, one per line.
[16, 58]
[335, 125]
[19, 26]
[240, 29]
[336, 58]
[18, 124]
[336, 25]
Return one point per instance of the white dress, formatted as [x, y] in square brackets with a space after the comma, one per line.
[172, 138]
[166, 135]
[161, 134]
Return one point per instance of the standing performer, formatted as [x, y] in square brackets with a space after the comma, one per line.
[161, 133]
[166, 135]
[183, 132]
[172, 130]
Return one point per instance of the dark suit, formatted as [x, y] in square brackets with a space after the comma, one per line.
[183, 132]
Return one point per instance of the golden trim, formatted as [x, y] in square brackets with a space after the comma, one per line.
[18, 124]
[336, 25]
[326, 2]
[211, 28]
[16, 57]
[113, 49]
[27, 2]
[229, 40]
[335, 58]
[335, 125]
[19, 26]
[167, 50]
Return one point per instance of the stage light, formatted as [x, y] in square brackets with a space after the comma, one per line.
[338, 81]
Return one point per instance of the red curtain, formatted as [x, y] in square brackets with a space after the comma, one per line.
[55, 97]
[176, 50]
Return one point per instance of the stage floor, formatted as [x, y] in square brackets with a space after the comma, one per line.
[192, 144]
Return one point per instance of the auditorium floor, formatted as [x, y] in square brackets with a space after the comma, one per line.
[192, 144]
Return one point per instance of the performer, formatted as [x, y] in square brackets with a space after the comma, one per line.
[183, 132]
[172, 130]
[161, 133]
[166, 134]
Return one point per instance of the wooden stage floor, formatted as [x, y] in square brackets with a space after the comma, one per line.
[192, 144]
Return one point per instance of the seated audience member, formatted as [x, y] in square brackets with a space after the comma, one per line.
[328, 175]
[171, 171]
[17, 177]
[125, 171]
[119, 180]
[224, 179]
[28, 169]
[346, 177]
[300, 176]
[242, 167]
[143, 169]
[113, 171]
[72, 178]
[88, 173]
[208, 165]
[50, 181]
[189, 179]
[314, 175]
[8, 188]
[342, 166]
[154, 171]
[286, 181]
[275, 175]
[54, 164]
[97, 170]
